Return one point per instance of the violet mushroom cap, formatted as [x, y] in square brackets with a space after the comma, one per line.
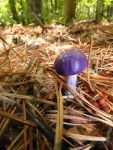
[69, 63]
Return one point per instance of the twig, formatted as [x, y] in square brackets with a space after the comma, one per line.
[88, 68]
[38, 21]
[7, 115]
[3, 40]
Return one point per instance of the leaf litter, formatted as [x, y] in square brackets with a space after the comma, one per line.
[34, 113]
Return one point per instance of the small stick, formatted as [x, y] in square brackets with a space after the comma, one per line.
[88, 68]
[38, 21]
[25, 131]
[7, 115]
[3, 40]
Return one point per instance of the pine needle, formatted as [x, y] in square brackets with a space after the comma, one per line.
[85, 137]
[59, 124]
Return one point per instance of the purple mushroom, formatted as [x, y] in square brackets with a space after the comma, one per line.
[69, 64]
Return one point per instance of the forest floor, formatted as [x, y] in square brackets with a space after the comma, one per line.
[30, 89]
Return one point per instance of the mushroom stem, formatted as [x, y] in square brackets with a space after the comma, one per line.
[71, 81]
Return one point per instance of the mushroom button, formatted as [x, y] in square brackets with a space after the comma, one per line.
[69, 64]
